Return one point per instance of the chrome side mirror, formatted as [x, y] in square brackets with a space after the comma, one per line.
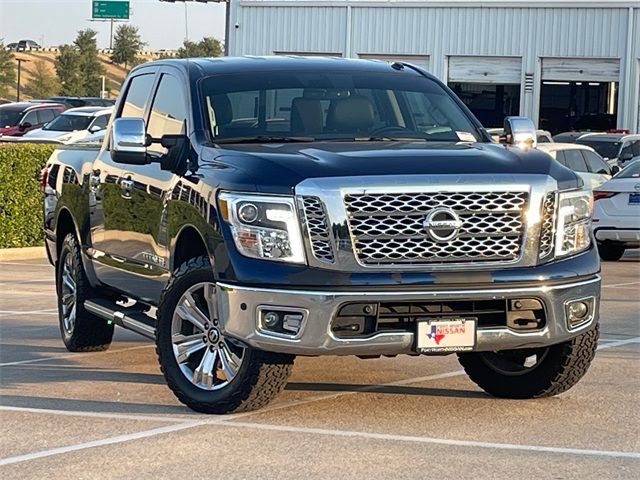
[520, 132]
[129, 141]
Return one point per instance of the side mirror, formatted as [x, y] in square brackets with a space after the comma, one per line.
[615, 169]
[95, 128]
[129, 141]
[520, 132]
[24, 126]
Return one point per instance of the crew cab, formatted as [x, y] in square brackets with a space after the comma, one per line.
[243, 211]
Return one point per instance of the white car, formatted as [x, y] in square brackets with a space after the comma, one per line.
[583, 160]
[616, 217]
[75, 124]
[616, 148]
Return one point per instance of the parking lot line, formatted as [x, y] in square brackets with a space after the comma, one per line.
[114, 416]
[48, 311]
[618, 343]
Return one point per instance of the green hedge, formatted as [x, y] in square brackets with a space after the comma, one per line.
[20, 196]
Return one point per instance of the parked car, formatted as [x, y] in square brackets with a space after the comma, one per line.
[280, 206]
[568, 137]
[616, 148]
[16, 119]
[75, 102]
[27, 44]
[542, 136]
[12, 46]
[616, 219]
[583, 160]
[84, 123]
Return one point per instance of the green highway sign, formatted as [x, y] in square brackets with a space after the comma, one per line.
[110, 9]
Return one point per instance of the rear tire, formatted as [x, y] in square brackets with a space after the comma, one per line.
[505, 374]
[206, 371]
[610, 253]
[81, 331]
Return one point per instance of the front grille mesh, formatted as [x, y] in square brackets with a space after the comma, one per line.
[548, 225]
[318, 227]
[389, 228]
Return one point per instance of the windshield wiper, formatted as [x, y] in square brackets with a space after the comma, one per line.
[385, 138]
[264, 139]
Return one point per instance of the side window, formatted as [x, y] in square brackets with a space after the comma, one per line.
[101, 121]
[575, 161]
[31, 117]
[560, 157]
[595, 163]
[543, 139]
[45, 115]
[169, 111]
[627, 149]
[137, 96]
[635, 148]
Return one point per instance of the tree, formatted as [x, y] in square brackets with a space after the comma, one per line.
[91, 68]
[68, 71]
[43, 82]
[126, 45]
[7, 70]
[207, 47]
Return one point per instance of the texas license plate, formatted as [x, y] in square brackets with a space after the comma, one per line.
[446, 335]
[634, 199]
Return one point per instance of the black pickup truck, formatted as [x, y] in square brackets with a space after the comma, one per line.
[242, 211]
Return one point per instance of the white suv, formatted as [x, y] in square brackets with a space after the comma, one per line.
[616, 148]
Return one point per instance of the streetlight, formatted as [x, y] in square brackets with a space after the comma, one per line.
[19, 60]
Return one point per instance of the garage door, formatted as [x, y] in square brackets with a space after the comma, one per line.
[502, 70]
[418, 60]
[576, 69]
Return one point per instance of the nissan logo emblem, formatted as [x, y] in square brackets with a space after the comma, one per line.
[442, 224]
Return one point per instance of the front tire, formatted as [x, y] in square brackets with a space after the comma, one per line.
[610, 253]
[81, 331]
[532, 373]
[205, 370]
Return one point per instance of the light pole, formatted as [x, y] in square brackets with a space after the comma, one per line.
[19, 60]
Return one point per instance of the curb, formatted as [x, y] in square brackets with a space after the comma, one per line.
[25, 253]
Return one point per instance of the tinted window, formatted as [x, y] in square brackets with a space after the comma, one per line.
[333, 105]
[137, 96]
[605, 149]
[169, 111]
[9, 118]
[595, 163]
[31, 117]
[635, 148]
[575, 161]
[560, 157]
[45, 115]
[543, 139]
[630, 171]
[101, 121]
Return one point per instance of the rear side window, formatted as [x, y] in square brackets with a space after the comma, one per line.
[137, 96]
[45, 115]
[595, 163]
[560, 157]
[575, 161]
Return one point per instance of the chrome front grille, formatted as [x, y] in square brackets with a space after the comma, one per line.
[318, 228]
[548, 223]
[389, 228]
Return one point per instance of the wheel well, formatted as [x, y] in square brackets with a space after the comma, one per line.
[189, 245]
[64, 226]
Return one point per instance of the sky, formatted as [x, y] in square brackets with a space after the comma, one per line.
[161, 24]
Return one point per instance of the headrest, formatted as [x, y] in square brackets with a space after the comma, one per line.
[349, 114]
[222, 109]
[306, 115]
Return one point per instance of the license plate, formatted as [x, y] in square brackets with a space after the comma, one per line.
[446, 335]
[634, 199]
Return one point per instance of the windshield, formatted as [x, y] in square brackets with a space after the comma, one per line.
[68, 123]
[630, 171]
[290, 106]
[604, 148]
[9, 118]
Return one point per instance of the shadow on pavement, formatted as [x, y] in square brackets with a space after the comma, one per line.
[392, 389]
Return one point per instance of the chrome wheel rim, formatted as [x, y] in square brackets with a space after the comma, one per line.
[514, 363]
[206, 358]
[68, 295]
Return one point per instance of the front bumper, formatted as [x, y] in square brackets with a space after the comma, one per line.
[240, 306]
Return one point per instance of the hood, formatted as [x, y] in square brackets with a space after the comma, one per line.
[279, 167]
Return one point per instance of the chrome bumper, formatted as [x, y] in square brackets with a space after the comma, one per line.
[629, 235]
[239, 307]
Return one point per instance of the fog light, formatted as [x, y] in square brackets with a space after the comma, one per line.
[580, 311]
[271, 319]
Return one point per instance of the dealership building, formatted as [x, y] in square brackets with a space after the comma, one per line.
[565, 64]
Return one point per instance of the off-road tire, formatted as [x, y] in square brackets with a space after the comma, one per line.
[90, 333]
[564, 365]
[610, 253]
[261, 377]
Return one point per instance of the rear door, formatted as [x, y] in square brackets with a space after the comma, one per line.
[111, 213]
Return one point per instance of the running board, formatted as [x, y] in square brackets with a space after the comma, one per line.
[130, 318]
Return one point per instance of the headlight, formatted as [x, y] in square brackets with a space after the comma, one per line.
[264, 227]
[575, 209]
